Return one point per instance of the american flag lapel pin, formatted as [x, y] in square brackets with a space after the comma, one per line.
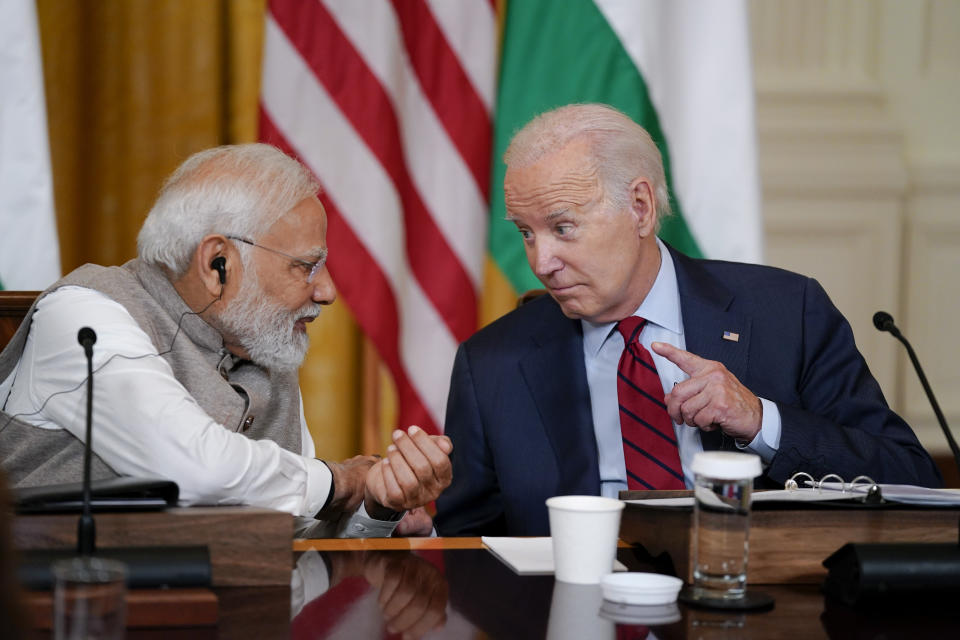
[731, 336]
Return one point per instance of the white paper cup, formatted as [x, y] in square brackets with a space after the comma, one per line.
[585, 530]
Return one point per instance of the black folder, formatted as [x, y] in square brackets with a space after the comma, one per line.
[113, 494]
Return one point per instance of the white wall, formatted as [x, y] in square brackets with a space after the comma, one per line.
[858, 115]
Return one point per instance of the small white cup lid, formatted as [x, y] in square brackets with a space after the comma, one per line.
[640, 588]
[726, 465]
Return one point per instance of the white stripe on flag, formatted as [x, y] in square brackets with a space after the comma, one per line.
[356, 181]
[694, 57]
[436, 167]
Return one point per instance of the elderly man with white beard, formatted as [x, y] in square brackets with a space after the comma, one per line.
[199, 340]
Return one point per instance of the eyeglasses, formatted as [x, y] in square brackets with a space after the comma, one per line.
[310, 268]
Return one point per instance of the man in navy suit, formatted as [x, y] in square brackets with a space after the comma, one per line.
[750, 358]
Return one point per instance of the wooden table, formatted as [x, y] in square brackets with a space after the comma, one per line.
[457, 589]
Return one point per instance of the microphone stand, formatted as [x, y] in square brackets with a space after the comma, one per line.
[884, 322]
[86, 528]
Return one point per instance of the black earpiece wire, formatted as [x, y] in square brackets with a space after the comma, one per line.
[109, 360]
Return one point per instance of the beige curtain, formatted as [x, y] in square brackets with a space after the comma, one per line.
[133, 88]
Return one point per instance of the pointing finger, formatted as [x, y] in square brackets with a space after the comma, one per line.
[689, 363]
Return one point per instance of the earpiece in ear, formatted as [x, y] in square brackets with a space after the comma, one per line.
[219, 264]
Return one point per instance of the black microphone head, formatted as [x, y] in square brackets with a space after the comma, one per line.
[86, 336]
[883, 321]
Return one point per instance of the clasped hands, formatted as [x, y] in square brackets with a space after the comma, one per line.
[414, 471]
[712, 398]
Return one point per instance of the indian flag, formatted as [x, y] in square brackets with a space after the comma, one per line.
[29, 253]
[681, 68]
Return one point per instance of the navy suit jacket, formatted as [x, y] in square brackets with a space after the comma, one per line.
[519, 406]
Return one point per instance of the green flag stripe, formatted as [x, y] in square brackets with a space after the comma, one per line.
[555, 54]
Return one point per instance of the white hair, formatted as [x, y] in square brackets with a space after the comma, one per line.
[622, 148]
[235, 189]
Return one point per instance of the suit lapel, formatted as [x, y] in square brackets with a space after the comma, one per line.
[555, 375]
[705, 303]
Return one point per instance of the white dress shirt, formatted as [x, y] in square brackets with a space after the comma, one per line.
[602, 347]
[146, 424]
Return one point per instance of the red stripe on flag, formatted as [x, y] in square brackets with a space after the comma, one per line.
[362, 100]
[447, 87]
[366, 291]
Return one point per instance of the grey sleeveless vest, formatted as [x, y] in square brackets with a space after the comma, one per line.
[236, 393]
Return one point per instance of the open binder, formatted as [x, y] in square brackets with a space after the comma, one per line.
[829, 491]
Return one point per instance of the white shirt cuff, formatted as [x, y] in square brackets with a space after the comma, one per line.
[361, 525]
[319, 481]
[767, 441]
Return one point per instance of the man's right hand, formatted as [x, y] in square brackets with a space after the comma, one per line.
[349, 482]
[414, 472]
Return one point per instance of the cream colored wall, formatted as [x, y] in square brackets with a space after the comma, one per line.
[858, 103]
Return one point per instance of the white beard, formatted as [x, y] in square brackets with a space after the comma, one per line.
[265, 329]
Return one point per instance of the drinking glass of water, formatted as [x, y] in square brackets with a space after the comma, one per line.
[723, 483]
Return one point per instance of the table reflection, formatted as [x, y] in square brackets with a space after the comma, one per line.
[468, 593]
[462, 593]
[579, 611]
[368, 594]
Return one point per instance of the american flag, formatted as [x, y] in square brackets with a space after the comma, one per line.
[389, 103]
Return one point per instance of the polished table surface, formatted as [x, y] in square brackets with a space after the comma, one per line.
[454, 588]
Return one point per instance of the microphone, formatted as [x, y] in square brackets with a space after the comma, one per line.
[884, 322]
[86, 529]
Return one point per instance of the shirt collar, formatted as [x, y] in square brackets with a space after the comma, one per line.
[661, 306]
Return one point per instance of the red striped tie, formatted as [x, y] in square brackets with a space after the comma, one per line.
[649, 444]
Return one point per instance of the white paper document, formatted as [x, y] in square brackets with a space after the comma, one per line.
[528, 556]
